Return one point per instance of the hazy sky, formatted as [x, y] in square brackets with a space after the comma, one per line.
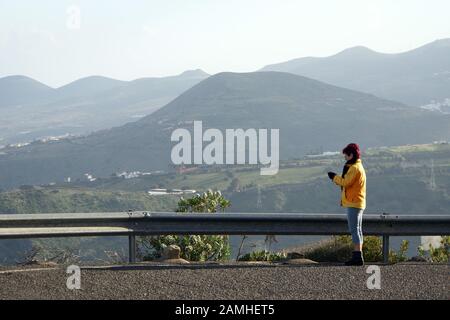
[136, 38]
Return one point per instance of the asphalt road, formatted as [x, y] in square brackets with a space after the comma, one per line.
[229, 281]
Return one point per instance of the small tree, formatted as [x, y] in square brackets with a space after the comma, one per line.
[209, 201]
[193, 247]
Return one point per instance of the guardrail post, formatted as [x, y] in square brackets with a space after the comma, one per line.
[386, 249]
[131, 248]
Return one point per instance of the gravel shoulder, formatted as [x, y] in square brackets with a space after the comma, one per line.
[228, 281]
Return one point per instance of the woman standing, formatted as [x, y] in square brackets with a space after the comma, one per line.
[353, 197]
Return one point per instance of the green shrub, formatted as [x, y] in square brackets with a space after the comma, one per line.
[193, 247]
[438, 255]
[263, 255]
[400, 255]
[340, 248]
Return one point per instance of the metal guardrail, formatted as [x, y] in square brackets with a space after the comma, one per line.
[141, 223]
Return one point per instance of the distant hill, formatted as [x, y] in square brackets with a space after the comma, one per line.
[18, 90]
[30, 110]
[87, 86]
[310, 115]
[416, 77]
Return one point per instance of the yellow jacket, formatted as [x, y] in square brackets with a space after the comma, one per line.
[353, 186]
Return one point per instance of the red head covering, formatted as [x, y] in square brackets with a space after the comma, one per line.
[352, 148]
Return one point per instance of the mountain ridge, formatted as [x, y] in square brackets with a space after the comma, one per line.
[415, 77]
[309, 114]
[83, 106]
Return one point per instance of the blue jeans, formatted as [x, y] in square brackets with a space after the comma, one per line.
[354, 219]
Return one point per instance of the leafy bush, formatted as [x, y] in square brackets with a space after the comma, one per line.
[209, 201]
[439, 255]
[340, 248]
[263, 255]
[400, 255]
[193, 247]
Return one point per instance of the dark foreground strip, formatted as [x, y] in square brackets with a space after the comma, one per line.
[208, 309]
